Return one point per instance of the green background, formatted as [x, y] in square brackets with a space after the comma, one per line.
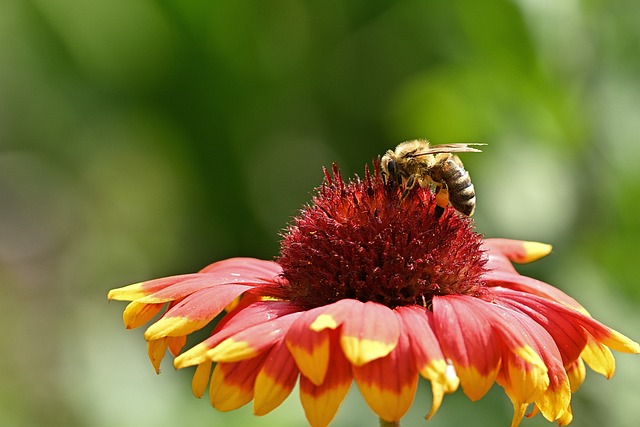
[145, 138]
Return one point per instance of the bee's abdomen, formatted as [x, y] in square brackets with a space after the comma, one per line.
[462, 195]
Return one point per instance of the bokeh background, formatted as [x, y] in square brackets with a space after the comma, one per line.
[147, 138]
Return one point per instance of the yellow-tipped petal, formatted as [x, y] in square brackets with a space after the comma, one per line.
[566, 418]
[313, 362]
[269, 394]
[321, 402]
[173, 326]
[437, 392]
[555, 401]
[617, 341]
[524, 383]
[231, 350]
[361, 351]
[576, 373]
[474, 384]
[175, 344]
[320, 406]
[128, 293]
[275, 380]
[156, 350]
[390, 405]
[201, 379]
[324, 321]
[443, 380]
[225, 395]
[232, 384]
[534, 251]
[519, 409]
[599, 358]
[137, 314]
[194, 356]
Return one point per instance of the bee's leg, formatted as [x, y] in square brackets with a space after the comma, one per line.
[442, 199]
[411, 182]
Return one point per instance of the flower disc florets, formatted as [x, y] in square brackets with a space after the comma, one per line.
[361, 240]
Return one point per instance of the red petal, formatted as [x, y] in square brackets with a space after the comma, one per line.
[194, 312]
[142, 289]
[468, 340]
[472, 333]
[245, 268]
[242, 318]
[567, 334]
[253, 340]
[369, 331]
[321, 402]
[597, 330]
[275, 380]
[516, 250]
[532, 286]
[199, 284]
[417, 324]
[388, 384]
[309, 346]
[232, 383]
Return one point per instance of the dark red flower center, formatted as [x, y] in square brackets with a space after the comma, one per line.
[360, 240]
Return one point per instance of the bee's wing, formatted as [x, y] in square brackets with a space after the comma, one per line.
[449, 148]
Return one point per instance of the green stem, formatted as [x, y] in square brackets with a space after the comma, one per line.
[384, 423]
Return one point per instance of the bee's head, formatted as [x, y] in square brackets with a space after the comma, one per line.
[389, 168]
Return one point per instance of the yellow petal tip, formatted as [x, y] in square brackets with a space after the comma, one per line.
[127, 293]
[534, 251]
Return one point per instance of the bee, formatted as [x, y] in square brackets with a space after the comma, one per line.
[416, 162]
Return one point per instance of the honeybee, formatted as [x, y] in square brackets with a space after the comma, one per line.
[416, 162]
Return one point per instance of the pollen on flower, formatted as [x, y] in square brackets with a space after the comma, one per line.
[361, 240]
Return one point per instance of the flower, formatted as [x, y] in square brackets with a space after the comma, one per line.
[367, 284]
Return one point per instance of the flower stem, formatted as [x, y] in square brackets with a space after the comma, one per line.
[384, 423]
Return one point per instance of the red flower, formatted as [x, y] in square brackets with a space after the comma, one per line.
[381, 291]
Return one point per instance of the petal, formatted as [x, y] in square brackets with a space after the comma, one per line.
[467, 340]
[595, 329]
[369, 331]
[517, 250]
[569, 336]
[142, 289]
[566, 418]
[417, 324]
[599, 358]
[204, 282]
[321, 402]
[201, 378]
[156, 350]
[309, 346]
[547, 385]
[176, 344]
[388, 384]
[243, 267]
[243, 319]
[576, 373]
[194, 311]
[252, 341]
[232, 384]
[529, 285]
[275, 380]
[137, 314]
[472, 334]
[519, 409]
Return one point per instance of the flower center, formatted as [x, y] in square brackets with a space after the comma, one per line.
[360, 240]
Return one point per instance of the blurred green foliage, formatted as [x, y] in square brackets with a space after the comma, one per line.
[146, 138]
